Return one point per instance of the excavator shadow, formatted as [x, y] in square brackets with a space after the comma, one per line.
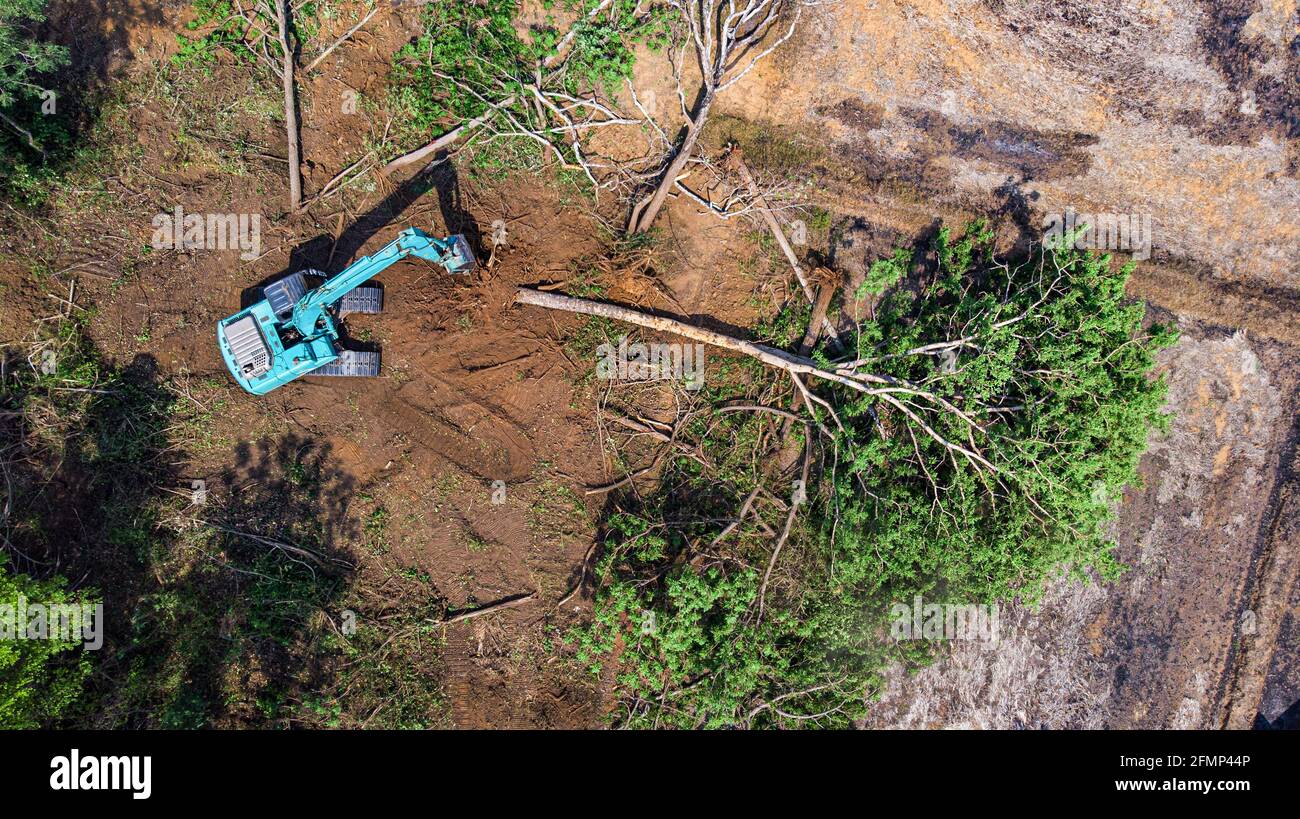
[328, 255]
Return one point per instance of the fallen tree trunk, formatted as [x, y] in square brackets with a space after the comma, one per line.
[290, 108]
[771, 356]
[444, 140]
[647, 210]
[885, 388]
[479, 611]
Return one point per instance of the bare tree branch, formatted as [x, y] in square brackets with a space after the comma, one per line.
[446, 139]
[340, 40]
[721, 37]
[891, 390]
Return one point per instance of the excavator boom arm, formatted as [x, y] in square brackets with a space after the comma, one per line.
[452, 253]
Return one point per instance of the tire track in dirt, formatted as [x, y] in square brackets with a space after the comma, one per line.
[1273, 573]
[468, 678]
[498, 452]
[459, 667]
[507, 527]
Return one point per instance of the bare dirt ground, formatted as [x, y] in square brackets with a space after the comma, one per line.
[908, 113]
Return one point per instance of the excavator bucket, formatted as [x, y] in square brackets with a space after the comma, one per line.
[459, 257]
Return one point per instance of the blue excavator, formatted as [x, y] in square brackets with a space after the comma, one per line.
[293, 331]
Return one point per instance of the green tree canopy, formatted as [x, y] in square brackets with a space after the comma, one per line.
[22, 58]
[39, 678]
[27, 137]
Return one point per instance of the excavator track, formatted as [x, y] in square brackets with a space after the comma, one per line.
[351, 364]
[362, 300]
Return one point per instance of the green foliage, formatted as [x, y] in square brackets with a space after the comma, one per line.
[226, 35]
[602, 47]
[27, 136]
[39, 678]
[685, 644]
[389, 679]
[23, 59]
[819, 219]
[1053, 369]
[119, 414]
[1062, 359]
[495, 159]
[787, 327]
[696, 634]
[885, 273]
[210, 620]
[218, 27]
[467, 55]
[470, 55]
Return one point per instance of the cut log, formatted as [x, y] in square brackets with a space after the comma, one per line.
[290, 108]
[768, 355]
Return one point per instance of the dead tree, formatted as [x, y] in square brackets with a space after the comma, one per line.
[262, 42]
[729, 38]
[290, 107]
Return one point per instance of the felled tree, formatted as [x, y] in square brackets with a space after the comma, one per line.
[972, 445]
[1042, 404]
[728, 39]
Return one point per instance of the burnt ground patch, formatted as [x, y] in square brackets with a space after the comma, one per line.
[1032, 153]
[1024, 153]
[1238, 54]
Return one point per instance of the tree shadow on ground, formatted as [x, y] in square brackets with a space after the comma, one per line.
[1017, 208]
[238, 592]
[1288, 720]
[270, 564]
[216, 598]
[97, 38]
